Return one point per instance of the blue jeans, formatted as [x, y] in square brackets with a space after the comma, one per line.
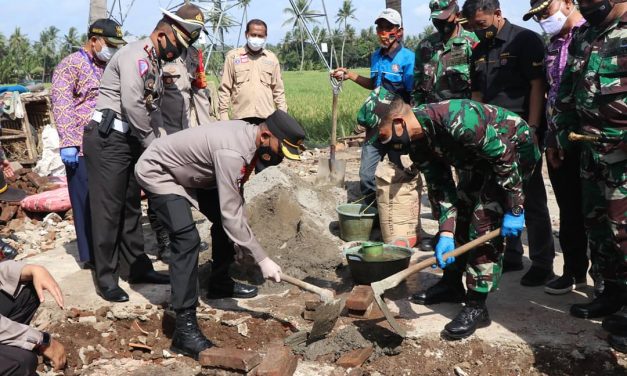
[371, 154]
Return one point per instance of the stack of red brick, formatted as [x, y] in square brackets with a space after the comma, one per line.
[28, 181]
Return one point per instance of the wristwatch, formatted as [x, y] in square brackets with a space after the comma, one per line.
[45, 342]
[517, 210]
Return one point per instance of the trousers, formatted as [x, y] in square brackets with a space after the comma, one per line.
[79, 198]
[15, 361]
[118, 240]
[175, 213]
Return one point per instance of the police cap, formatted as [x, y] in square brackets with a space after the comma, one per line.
[289, 132]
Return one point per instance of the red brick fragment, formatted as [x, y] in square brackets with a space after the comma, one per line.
[355, 358]
[279, 361]
[309, 315]
[360, 298]
[230, 358]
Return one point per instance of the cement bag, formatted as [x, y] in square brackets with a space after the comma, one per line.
[57, 200]
[50, 163]
[398, 199]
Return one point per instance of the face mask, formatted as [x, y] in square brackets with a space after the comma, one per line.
[105, 53]
[170, 52]
[386, 38]
[267, 157]
[596, 14]
[444, 27]
[487, 34]
[256, 43]
[552, 25]
[399, 143]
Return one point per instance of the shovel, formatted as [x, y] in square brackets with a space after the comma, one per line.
[392, 281]
[331, 170]
[326, 314]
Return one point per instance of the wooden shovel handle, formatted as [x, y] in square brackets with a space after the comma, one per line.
[333, 126]
[572, 136]
[396, 279]
[324, 293]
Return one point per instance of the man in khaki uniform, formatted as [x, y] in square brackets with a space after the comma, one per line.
[251, 81]
[122, 127]
[206, 167]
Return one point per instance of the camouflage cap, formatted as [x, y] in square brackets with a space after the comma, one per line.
[375, 107]
[442, 9]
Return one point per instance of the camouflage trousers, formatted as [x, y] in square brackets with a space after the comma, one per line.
[604, 186]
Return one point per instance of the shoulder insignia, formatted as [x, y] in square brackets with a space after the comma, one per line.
[143, 67]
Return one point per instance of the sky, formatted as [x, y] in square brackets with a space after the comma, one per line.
[32, 16]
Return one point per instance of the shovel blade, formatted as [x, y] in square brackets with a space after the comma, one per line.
[325, 317]
[331, 172]
[378, 297]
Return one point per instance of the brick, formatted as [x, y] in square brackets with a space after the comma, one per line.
[241, 360]
[360, 298]
[309, 315]
[279, 361]
[361, 314]
[355, 358]
[8, 212]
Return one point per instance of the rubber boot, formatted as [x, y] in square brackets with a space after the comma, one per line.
[163, 246]
[187, 338]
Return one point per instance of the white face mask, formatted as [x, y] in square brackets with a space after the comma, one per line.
[105, 53]
[552, 25]
[256, 43]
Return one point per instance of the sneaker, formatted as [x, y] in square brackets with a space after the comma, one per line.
[564, 285]
[512, 266]
[537, 277]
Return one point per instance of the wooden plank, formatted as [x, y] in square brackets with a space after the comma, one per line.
[30, 141]
[14, 137]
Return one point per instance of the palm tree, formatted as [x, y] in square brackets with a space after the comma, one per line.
[394, 4]
[71, 41]
[346, 12]
[46, 47]
[306, 14]
[19, 49]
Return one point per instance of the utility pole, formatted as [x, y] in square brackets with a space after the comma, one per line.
[97, 9]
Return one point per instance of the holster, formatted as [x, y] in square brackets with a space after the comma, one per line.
[106, 123]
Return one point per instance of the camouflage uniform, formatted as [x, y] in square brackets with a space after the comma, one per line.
[593, 100]
[494, 144]
[442, 70]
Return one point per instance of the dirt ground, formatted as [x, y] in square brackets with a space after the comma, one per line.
[295, 221]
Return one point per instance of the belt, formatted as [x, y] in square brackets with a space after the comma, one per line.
[118, 125]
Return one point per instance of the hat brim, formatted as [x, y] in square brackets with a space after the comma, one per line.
[115, 41]
[537, 9]
[444, 14]
[181, 37]
[12, 195]
[290, 152]
[393, 22]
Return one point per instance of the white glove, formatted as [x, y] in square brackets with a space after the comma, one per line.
[270, 269]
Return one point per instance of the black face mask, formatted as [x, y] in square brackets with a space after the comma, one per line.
[444, 27]
[170, 52]
[401, 143]
[267, 157]
[487, 34]
[596, 14]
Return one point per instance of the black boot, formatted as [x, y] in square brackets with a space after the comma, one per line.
[617, 323]
[608, 302]
[163, 246]
[474, 315]
[618, 343]
[188, 339]
[230, 289]
[445, 291]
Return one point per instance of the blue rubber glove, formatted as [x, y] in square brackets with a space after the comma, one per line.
[512, 225]
[445, 245]
[69, 156]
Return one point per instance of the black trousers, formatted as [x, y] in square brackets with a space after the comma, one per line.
[175, 213]
[538, 221]
[15, 361]
[573, 237]
[115, 200]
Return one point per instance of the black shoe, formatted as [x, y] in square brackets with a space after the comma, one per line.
[617, 323]
[618, 343]
[537, 277]
[163, 247]
[512, 266]
[113, 294]
[563, 285]
[188, 339]
[441, 292]
[231, 289]
[471, 317]
[426, 245]
[608, 302]
[88, 265]
[151, 277]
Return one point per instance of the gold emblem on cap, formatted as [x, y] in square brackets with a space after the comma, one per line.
[118, 31]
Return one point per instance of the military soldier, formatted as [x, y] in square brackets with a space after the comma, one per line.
[496, 148]
[185, 103]
[206, 167]
[443, 58]
[592, 100]
[130, 91]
